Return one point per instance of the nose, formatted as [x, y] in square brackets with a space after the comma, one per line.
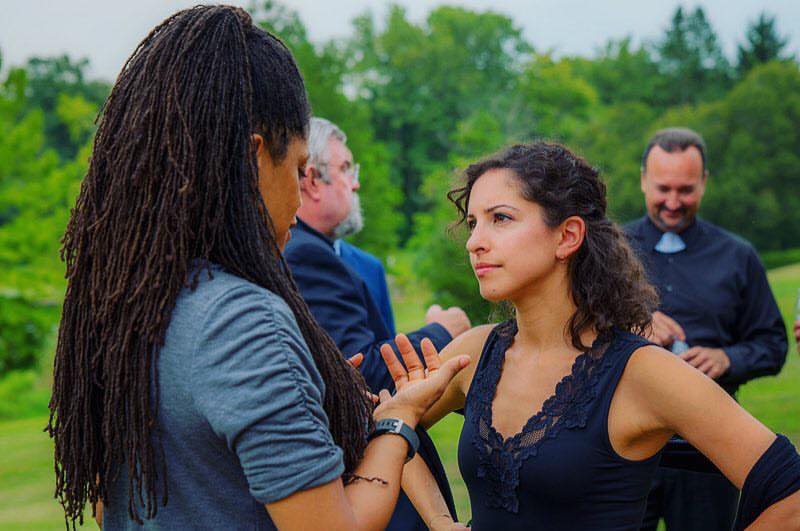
[673, 201]
[476, 243]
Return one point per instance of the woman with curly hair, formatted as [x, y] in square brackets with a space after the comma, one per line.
[567, 407]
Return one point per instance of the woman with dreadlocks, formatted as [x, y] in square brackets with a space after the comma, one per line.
[192, 387]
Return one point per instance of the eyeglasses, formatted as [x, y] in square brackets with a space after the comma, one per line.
[347, 169]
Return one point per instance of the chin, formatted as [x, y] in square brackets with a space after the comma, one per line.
[494, 295]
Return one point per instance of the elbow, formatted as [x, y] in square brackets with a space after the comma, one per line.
[780, 361]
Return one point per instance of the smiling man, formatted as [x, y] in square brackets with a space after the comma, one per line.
[717, 312]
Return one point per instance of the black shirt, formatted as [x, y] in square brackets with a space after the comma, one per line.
[717, 290]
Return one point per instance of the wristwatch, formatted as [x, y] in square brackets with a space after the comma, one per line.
[398, 427]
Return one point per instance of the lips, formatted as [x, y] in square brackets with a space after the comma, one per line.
[483, 268]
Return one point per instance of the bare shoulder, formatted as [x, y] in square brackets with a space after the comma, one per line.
[469, 343]
[651, 365]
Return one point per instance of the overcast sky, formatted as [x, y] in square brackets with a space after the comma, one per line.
[107, 31]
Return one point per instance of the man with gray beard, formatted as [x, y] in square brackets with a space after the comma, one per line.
[339, 296]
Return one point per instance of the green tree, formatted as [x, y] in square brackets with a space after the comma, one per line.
[621, 73]
[420, 80]
[691, 59]
[613, 140]
[755, 138]
[438, 245]
[36, 193]
[762, 45]
[556, 101]
[324, 69]
[52, 77]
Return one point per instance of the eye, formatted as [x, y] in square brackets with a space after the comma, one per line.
[499, 218]
[471, 224]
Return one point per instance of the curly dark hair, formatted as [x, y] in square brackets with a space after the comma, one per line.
[607, 282]
[173, 183]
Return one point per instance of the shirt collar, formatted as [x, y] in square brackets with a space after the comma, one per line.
[690, 235]
[302, 225]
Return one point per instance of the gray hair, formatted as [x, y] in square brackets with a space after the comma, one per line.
[675, 139]
[321, 131]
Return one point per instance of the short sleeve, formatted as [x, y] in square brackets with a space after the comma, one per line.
[256, 384]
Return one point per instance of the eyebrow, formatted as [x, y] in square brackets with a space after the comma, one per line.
[495, 207]
[491, 209]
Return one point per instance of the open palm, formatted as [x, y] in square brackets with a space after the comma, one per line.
[417, 387]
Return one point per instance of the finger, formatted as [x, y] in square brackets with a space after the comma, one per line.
[674, 328]
[664, 338]
[396, 369]
[691, 353]
[373, 398]
[434, 308]
[416, 371]
[666, 324]
[698, 360]
[432, 360]
[706, 366]
[662, 334]
[384, 396]
[356, 360]
[449, 369]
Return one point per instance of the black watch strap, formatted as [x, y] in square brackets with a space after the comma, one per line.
[398, 427]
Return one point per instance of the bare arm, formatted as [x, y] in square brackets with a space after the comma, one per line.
[679, 399]
[366, 504]
[424, 494]
[418, 483]
[359, 505]
[98, 513]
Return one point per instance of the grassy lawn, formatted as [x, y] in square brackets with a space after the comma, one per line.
[26, 466]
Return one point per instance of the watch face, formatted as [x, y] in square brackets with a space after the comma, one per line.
[398, 427]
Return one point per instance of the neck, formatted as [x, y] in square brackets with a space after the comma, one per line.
[313, 217]
[543, 312]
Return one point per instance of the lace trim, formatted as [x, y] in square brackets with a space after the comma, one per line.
[500, 460]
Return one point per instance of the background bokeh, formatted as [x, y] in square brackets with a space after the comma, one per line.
[419, 98]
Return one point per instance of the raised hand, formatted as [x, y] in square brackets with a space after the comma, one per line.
[453, 319]
[417, 387]
[664, 330]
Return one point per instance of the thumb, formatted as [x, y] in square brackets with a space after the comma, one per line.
[451, 367]
[435, 308]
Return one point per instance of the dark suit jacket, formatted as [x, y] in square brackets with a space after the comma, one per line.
[371, 270]
[339, 299]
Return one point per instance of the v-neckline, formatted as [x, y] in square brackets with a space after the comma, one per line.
[509, 442]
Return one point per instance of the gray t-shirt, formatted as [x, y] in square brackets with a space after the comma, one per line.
[240, 412]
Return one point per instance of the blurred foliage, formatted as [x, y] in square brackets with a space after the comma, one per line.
[26, 329]
[420, 100]
[763, 44]
[776, 259]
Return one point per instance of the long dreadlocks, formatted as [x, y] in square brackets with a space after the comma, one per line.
[172, 182]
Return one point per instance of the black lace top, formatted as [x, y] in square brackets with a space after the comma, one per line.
[560, 472]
